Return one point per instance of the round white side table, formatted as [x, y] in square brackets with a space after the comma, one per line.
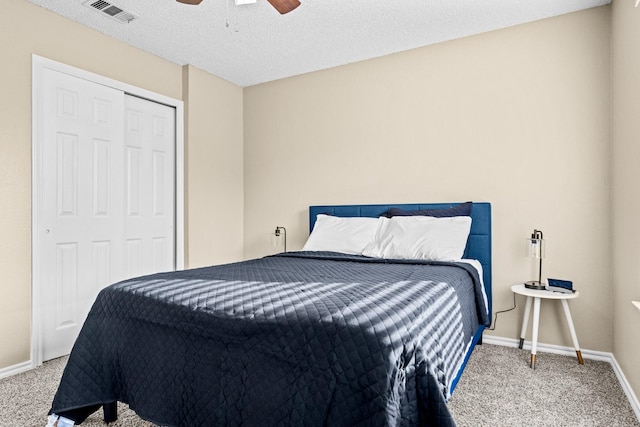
[536, 295]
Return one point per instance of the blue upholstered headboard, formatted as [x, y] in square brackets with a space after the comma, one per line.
[478, 244]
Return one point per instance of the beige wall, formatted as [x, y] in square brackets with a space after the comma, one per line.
[215, 173]
[626, 196]
[517, 117]
[28, 29]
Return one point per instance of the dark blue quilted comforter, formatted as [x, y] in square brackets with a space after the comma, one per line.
[295, 339]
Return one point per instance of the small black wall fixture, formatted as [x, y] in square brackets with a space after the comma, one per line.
[281, 231]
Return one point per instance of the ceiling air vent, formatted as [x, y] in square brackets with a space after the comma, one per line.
[111, 10]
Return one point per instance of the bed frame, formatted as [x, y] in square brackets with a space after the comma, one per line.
[478, 244]
[478, 247]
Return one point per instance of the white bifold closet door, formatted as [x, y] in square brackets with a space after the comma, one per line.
[108, 198]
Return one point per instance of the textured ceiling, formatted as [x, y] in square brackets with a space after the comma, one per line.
[260, 45]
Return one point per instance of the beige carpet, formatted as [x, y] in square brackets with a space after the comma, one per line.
[497, 389]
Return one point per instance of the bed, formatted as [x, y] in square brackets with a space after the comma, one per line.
[298, 338]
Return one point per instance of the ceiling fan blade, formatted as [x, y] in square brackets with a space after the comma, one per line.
[284, 6]
[189, 1]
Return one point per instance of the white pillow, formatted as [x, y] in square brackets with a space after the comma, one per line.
[420, 237]
[346, 235]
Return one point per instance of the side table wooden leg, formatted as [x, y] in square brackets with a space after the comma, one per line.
[574, 337]
[525, 321]
[534, 333]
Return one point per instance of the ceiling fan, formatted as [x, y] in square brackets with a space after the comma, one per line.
[282, 6]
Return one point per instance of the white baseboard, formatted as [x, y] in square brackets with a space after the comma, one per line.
[626, 386]
[570, 351]
[16, 369]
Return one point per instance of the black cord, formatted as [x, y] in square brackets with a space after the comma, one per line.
[495, 317]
